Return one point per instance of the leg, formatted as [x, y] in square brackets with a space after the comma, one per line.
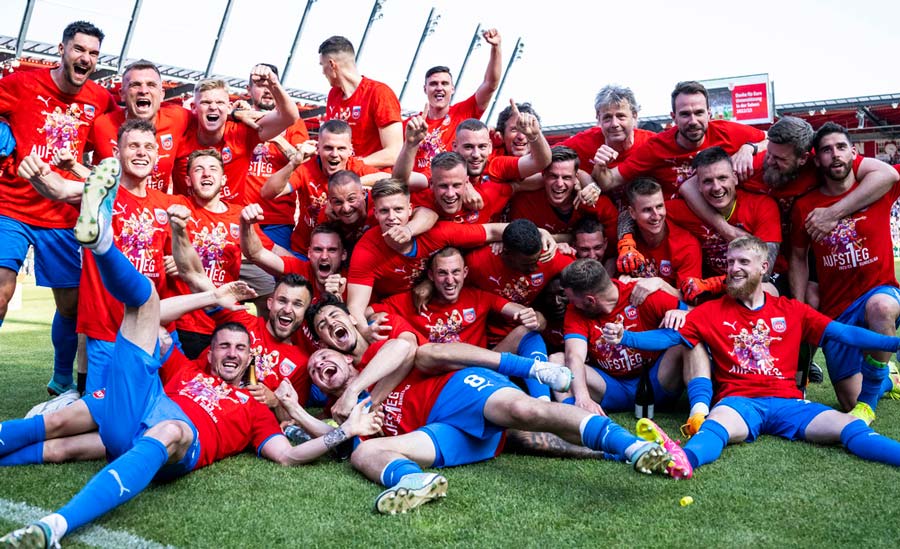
[7, 289]
[698, 378]
[20, 433]
[75, 448]
[670, 372]
[65, 340]
[547, 444]
[724, 426]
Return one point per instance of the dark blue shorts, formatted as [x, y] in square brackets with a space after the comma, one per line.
[279, 234]
[620, 393]
[783, 417]
[456, 424]
[57, 255]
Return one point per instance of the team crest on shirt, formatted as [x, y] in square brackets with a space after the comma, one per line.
[243, 397]
[287, 367]
[779, 324]
[752, 351]
[356, 111]
[161, 216]
[89, 111]
[226, 155]
[166, 141]
[631, 312]
[665, 267]
[99, 394]
[235, 230]
[469, 315]
[537, 279]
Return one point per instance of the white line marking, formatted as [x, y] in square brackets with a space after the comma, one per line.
[95, 536]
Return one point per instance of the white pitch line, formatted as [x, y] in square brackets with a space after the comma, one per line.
[95, 536]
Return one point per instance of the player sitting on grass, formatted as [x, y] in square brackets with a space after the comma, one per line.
[150, 432]
[754, 339]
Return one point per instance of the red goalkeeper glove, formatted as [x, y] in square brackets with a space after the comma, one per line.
[692, 288]
[631, 261]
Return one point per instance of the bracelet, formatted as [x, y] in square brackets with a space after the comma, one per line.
[335, 437]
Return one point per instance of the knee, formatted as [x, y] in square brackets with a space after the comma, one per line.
[364, 453]
[171, 433]
[524, 411]
[56, 451]
[880, 310]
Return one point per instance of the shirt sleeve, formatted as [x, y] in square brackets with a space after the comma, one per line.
[387, 110]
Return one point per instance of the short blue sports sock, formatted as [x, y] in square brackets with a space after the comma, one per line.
[860, 440]
[600, 433]
[537, 389]
[19, 433]
[398, 469]
[65, 345]
[887, 385]
[707, 445]
[33, 454]
[873, 375]
[121, 279]
[116, 483]
[532, 346]
[700, 391]
[569, 400]
[514, 365]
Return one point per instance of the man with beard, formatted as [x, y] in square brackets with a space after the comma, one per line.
[307, 174]
[454, 418]
[855, 268]
[139, 229]
[147, 431]
[49, 110]
[754, 341]
[271, 336]
[666, 158]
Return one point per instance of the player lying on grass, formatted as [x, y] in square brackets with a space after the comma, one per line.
[754, 339]
[455, 418]
[148, 432]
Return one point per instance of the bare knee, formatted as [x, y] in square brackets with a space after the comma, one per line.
[364, 454]
[66, 301]
[524, 411]
[171, 433]
[881, 310]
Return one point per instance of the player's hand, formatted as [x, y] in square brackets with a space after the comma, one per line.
[492, 37]
[364, 419]
[631, 261]
[248, 117]
[643, 288]
[398, 236]
[471, 198]
[252, 214]
[378, 328]
[730, 232]
[587, 196]
[229, 296]
[335, 284]
[261, 75]
[417, 128]
[63, 159]
[497, 248]
[304, 152]
[742, 161]
[673, 319]
[526, 123]
[565, 248]
[548, 245]
[613, 332]
[422, 293]
[344, 405]
[692, 287]
[169, 265]
[285, 393]
[528, 318]
[587, 403]
[33, 167]
[179, 215]
[263, 394]
[604, 156]
[820, 222]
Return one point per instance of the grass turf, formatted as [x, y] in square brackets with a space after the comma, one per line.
[769, 493]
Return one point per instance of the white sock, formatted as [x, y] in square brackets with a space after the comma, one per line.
[700, 408]
[58, 526]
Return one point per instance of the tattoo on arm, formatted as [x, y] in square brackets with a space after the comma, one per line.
[626, 224]
[772, 255]
[333, 438]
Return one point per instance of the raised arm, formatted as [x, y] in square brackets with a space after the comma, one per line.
[492, 73]
[279, 183]
[48, 183]
[190, 267]
[285, 112]
[416, 129]
[251, 245]
[540, 155]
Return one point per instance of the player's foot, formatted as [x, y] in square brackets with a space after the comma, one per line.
[692, 426]
[33, 536]
[651, 458]
[864, 412]
[97, 201]
[679, 468]
[816, 375]
[555, 376]
[894, 374]
[67, 398]
[412, 491]
[55, 388]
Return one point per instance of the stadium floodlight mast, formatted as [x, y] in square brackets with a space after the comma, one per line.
[23, 28]
[132, 23]
[475, 43]
[287, 64]
[516, 55]
[430, 25]
[218, 42]
[374, 16]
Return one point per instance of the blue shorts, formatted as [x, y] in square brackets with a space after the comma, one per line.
[783, 417]
[456, 424]
[134, 401]
[57, 255]
[280, 234]
[843, 360]
[620, 393]
[99, 356]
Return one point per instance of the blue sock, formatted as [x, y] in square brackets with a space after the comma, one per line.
[860, 440]
[600, 433]
[570, 400]
[19, 433]
[707, 445]
[65, 345]
[397, 469]
[700, 391]
[887, 385]
[514, 365]
[532, 346]
[121, 279]
[116, 483]
[32, 454]
[537, 389]
[873, 374]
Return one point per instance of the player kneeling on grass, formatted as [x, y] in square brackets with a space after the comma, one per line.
[754, 339]
[148, 432]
